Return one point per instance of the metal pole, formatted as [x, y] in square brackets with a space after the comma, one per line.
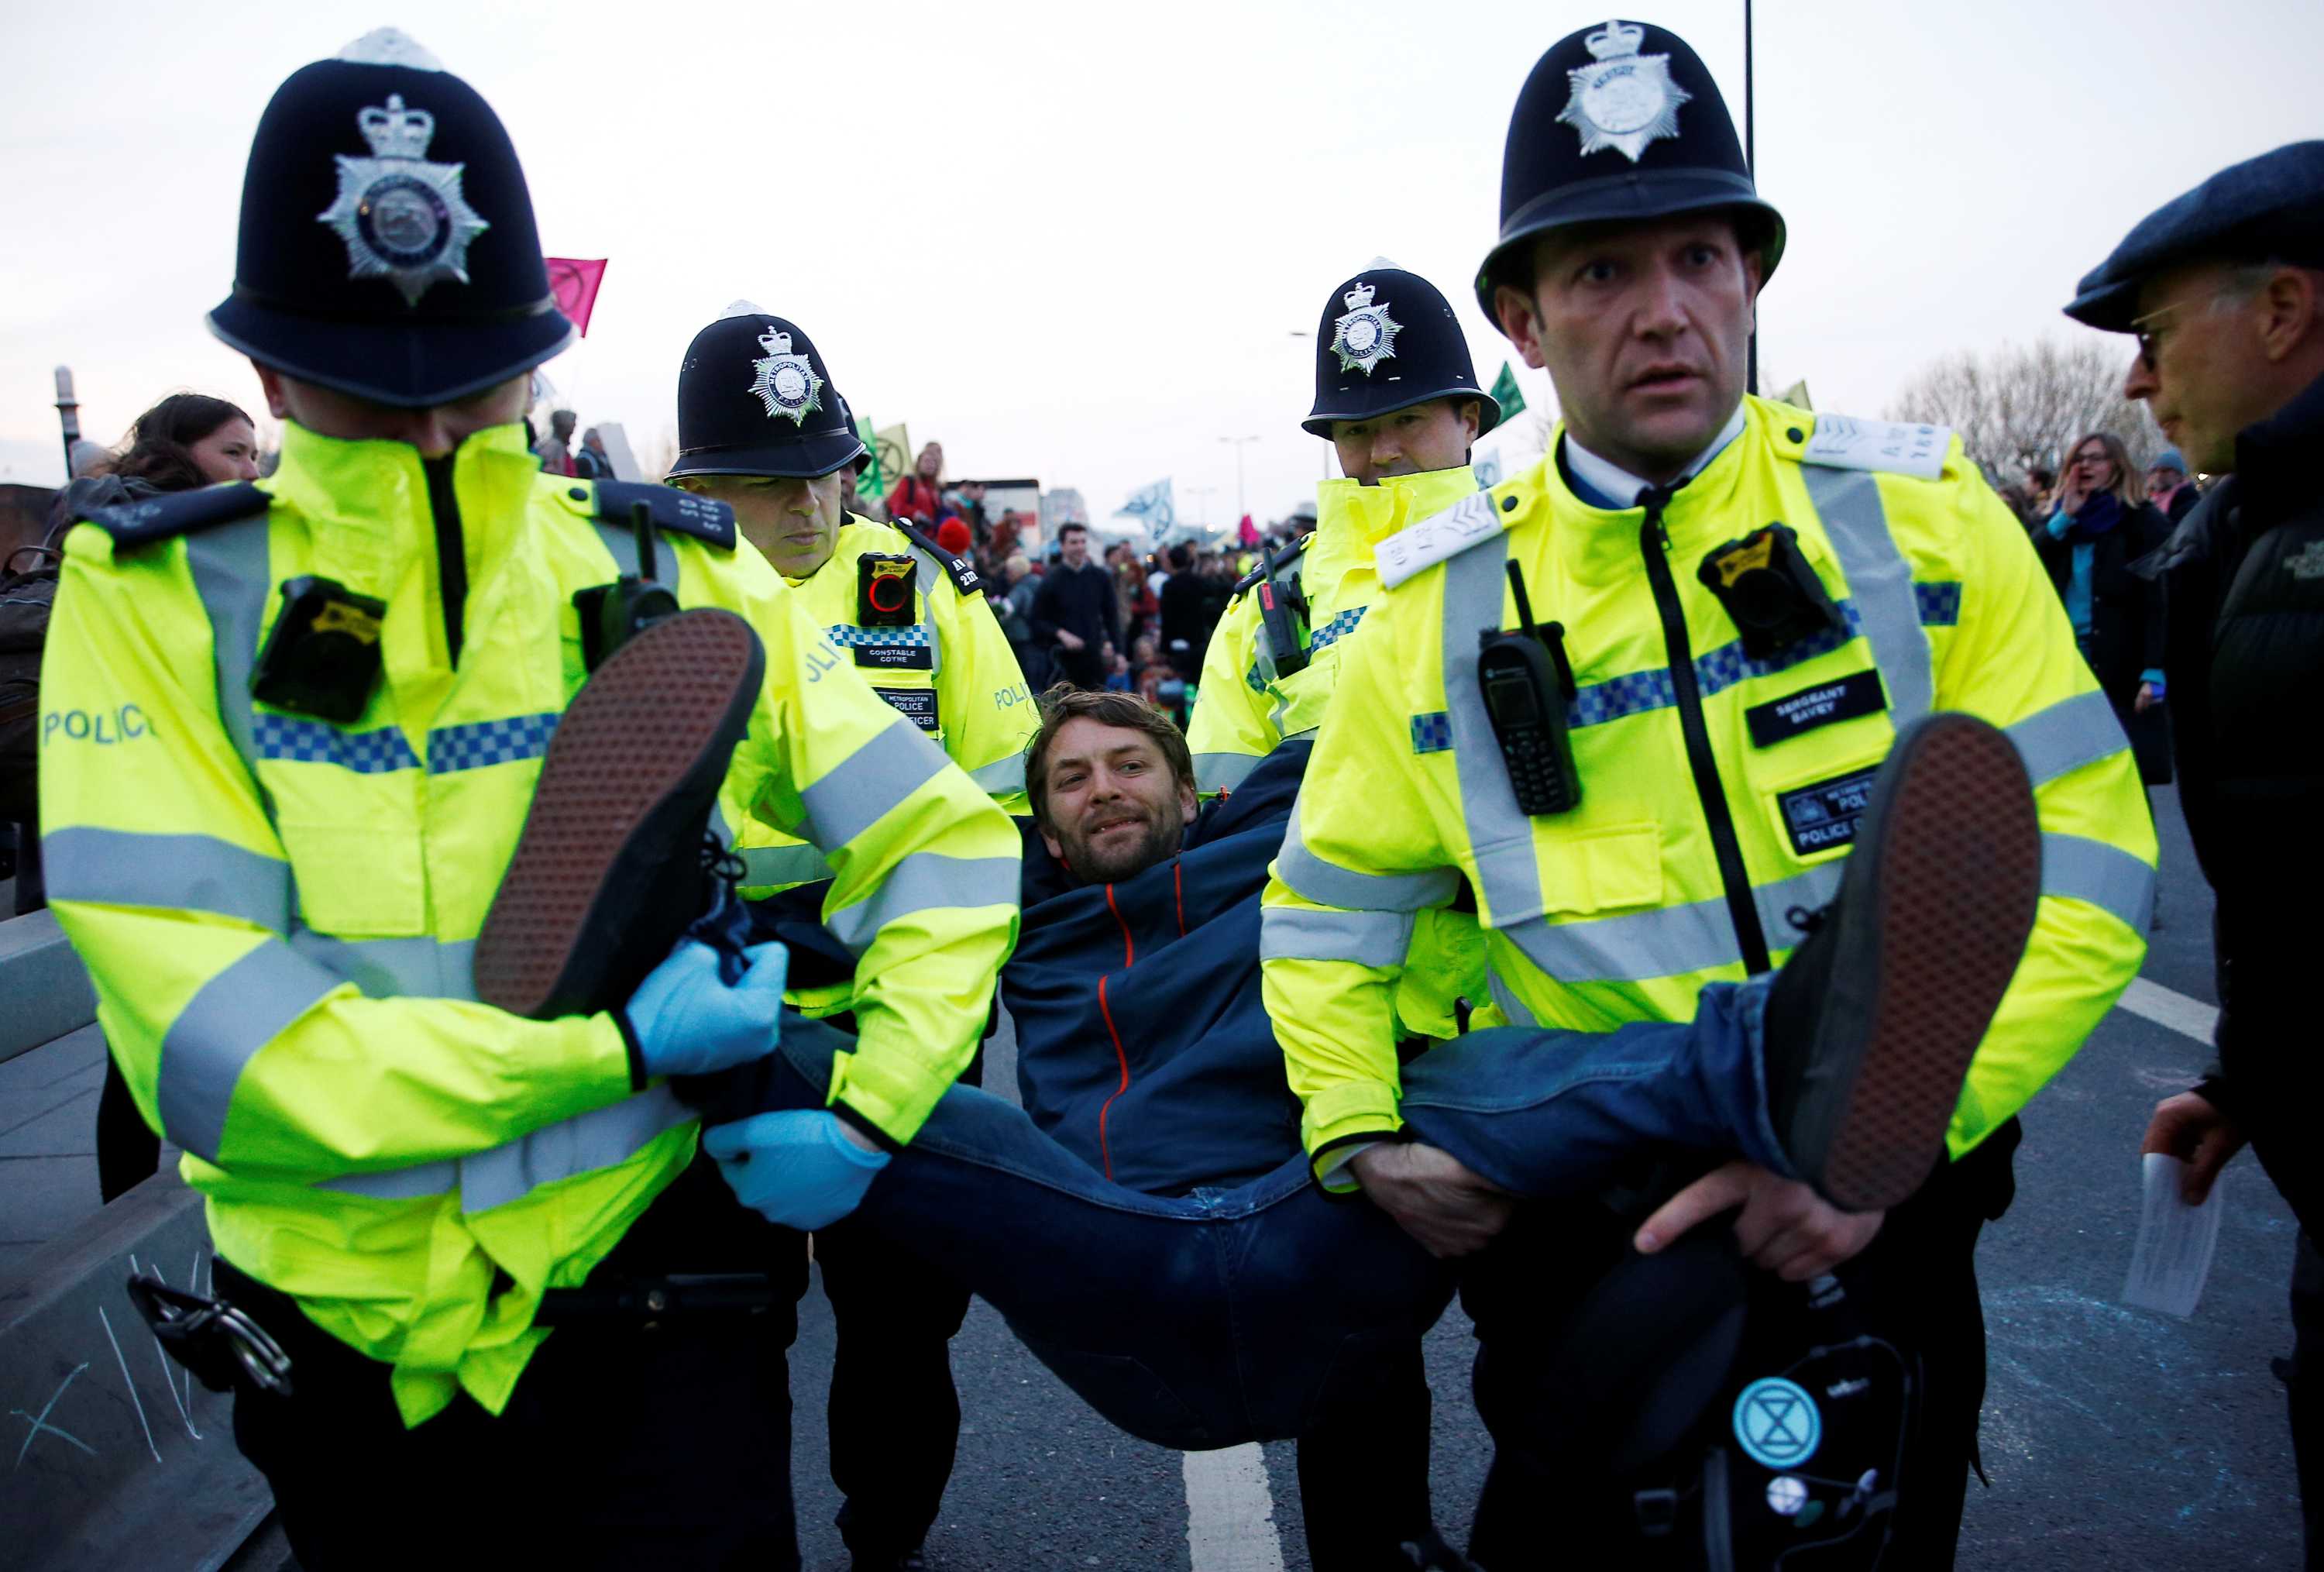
[1750, 162]
[67, 415]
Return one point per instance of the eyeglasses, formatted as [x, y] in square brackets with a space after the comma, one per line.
[2149, 339]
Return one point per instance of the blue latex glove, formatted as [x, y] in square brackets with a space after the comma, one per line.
[796, 1168]
[687, 1019]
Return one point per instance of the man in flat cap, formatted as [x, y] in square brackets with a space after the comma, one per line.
[2224, 289]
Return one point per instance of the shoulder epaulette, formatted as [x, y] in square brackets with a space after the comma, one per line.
[1844, 442]
[1439, 536]
[678, 512]
[133, 524]
[1288, 557]
[959, 569]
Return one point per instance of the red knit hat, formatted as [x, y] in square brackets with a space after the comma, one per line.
[953, 537]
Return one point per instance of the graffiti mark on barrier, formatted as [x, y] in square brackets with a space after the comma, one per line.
[42, 1423]
[127, 1381]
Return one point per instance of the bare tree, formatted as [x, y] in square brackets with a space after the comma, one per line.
[2014, 407]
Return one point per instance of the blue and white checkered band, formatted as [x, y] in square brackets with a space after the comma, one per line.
[298, 740]
[403, 218]
[1432, 733]
[915, 637]
[1338, 628]
[479, 743]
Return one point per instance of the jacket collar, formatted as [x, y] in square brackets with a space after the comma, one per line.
[1348, 512]
[367, 501]
[2275, 458]
[1600, 544]
[1606, 484]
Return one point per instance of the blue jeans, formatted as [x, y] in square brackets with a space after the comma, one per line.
[1233, 1314]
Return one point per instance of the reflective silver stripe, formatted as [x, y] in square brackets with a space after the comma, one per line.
[391, 969]
[1223, 771]
[926, 577]
[1000, 777]
[923, 882]
[871, 782]
[1369, 938]
[1806, 890]
[1512, 1008]
[1667, 941]
[622, 542]
[1880, 581]
[182, 872]
[2106, 876]
[229, 565]
[2069, 733]
[1329, 884]
[794, 865]
[1509, 877]
[221, 1029]
[601, 1138]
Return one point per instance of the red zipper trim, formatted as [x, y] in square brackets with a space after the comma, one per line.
[1129, 948]
[1178, 883]
[1105, 1010]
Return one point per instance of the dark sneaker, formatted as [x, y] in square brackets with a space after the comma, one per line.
[609, 871]
[1432, 1554]
[1871, 1024]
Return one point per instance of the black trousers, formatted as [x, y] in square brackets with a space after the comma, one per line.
[128, 1152]
[1917, 1285]
[1363, 1469]
[893, 1412]
[621, 1446]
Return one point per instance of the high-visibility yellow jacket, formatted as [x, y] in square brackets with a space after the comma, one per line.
[1619, 910]
[950, 672]
[1246, 705]
[279, 912]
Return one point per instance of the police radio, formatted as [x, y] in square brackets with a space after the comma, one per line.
[1282, 610]
[1770, 591]
[614, 614]
[1526, 683]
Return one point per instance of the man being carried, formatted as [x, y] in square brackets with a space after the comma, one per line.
[1148, 1224]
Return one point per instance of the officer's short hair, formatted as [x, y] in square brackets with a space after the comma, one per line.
[1066, 703]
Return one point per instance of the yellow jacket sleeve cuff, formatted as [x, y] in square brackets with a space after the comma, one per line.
[1366, 1107]
[893, 1092]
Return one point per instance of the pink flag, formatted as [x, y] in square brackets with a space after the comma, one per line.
[1249, 533]
[574, 282]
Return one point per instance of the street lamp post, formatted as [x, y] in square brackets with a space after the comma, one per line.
[1202, 507]
[67, 415]
[1238, 443]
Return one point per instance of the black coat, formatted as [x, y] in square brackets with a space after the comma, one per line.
[1081, 601]
[2127, 626]
[2245, 651]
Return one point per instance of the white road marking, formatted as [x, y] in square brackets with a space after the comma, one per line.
[1230, 1513]
[2153, 1002]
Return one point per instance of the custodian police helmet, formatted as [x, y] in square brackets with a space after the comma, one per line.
[1621, 123]
[387, 244]
[755, 398]
[1388, 341]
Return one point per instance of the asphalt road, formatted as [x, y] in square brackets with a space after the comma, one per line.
[2113, 1437]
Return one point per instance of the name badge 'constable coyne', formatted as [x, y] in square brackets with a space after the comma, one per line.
[349, 674]
[761, 427]
[1735, 607]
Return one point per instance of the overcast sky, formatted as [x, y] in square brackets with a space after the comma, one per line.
[1077, 241]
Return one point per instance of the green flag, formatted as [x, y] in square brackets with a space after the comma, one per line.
[1505, 393]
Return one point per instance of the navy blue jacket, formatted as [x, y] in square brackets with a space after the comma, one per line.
[1142, 1045]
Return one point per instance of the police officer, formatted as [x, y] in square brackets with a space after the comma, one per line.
[762, 428]
[1731, 608]
[1397, 395]
[327, 696]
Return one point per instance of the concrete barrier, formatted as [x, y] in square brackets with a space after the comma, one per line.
[47, 992]
[120, 1458]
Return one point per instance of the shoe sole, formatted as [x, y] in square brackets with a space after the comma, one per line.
[1951, 860]
[629, 774]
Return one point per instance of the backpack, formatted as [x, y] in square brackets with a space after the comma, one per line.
[28, 588]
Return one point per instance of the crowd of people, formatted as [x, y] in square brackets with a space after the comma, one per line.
[522, 1010]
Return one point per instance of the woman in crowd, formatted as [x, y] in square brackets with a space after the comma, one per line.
[916, 498]
[2100, 525]
[186, 441]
